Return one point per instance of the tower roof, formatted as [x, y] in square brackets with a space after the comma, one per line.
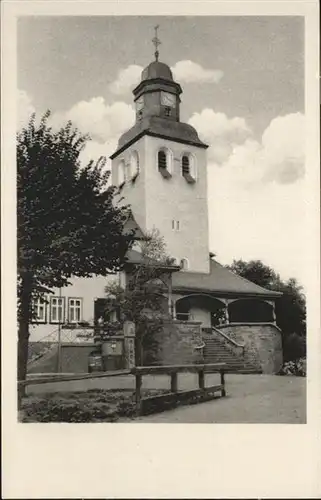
[159, 127]
[157, 69]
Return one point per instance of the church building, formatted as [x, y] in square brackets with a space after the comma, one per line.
[160, 168]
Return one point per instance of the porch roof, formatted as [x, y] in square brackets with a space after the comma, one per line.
[131, 225]
[219, 281]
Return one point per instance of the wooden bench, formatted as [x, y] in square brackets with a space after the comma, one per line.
[172, 371]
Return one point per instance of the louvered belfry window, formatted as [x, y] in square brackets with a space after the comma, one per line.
[162, 160]
[185, 165]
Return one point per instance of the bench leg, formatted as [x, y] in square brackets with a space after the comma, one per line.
[173, 382]
[201, 380]
[223, 383]
[138, 393]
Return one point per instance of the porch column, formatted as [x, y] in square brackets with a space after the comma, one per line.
[227, 316]
[272, 303]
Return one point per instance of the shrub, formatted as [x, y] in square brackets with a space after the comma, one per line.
[296, 368]
[81, 407]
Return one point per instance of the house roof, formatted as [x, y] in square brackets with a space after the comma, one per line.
[220, 281]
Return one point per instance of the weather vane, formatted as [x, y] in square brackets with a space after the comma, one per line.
[156, 41]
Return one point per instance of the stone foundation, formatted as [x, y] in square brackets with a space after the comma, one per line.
[263, 343]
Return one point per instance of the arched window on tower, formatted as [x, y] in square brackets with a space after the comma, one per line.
[188, 167]
[121, 174]
[184, 264]
[164, 163]
[134, 166]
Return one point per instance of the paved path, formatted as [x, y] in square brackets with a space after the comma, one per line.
[251, 398]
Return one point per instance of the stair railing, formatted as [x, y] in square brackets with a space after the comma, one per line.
[230, 343]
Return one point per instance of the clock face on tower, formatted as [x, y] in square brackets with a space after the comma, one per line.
[168, 99]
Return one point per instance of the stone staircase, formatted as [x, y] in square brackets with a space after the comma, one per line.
[216, 350]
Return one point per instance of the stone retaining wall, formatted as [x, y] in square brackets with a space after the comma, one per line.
[176, 343]
[263, 343]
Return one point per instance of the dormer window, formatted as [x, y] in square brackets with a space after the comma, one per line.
[188, 167]
[164, 163]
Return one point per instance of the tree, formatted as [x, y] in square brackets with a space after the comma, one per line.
[290, 307]
[68, 221]
[145, 298]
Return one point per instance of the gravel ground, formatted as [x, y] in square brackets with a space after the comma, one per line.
[250, 398]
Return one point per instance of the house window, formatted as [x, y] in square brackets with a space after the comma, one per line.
[164, 163]
[74, 310]
[167, 111]
[40, 310]
[57, 309]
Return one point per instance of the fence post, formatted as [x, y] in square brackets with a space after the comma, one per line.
[201, 380]
[138, 378]
[223, 383]
[174, 382]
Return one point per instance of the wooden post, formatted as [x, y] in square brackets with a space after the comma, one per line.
[201, 379]
[138, 378]
[174, 382]
[223, 383]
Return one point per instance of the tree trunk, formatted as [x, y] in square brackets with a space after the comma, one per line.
[23, 332]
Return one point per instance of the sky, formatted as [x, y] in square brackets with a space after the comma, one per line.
[243, 90]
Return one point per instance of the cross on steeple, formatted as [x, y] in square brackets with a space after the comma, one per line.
[156, 41]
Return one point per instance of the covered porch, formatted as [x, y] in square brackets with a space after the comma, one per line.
[214, 311]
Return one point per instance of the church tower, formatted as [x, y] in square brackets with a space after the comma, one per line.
[160, 168]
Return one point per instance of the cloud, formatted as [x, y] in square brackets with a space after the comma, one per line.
[103, 122]
[277, 157]
[256, 189]
[283, 145]
[98, 119]
[191, 72]
[220, 132]
[25, 108]
[183, 71]
[126, 79]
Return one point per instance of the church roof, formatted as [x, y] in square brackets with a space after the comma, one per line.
[157, 69]
[220, 281]
[159, 127]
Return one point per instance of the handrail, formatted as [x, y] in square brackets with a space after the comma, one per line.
[228, 338]
[168, 369]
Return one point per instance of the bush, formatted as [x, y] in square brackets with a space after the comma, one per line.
[296, 368]
[294, 347]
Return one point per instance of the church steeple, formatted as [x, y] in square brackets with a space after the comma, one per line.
[158, 93]
[157, 102]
